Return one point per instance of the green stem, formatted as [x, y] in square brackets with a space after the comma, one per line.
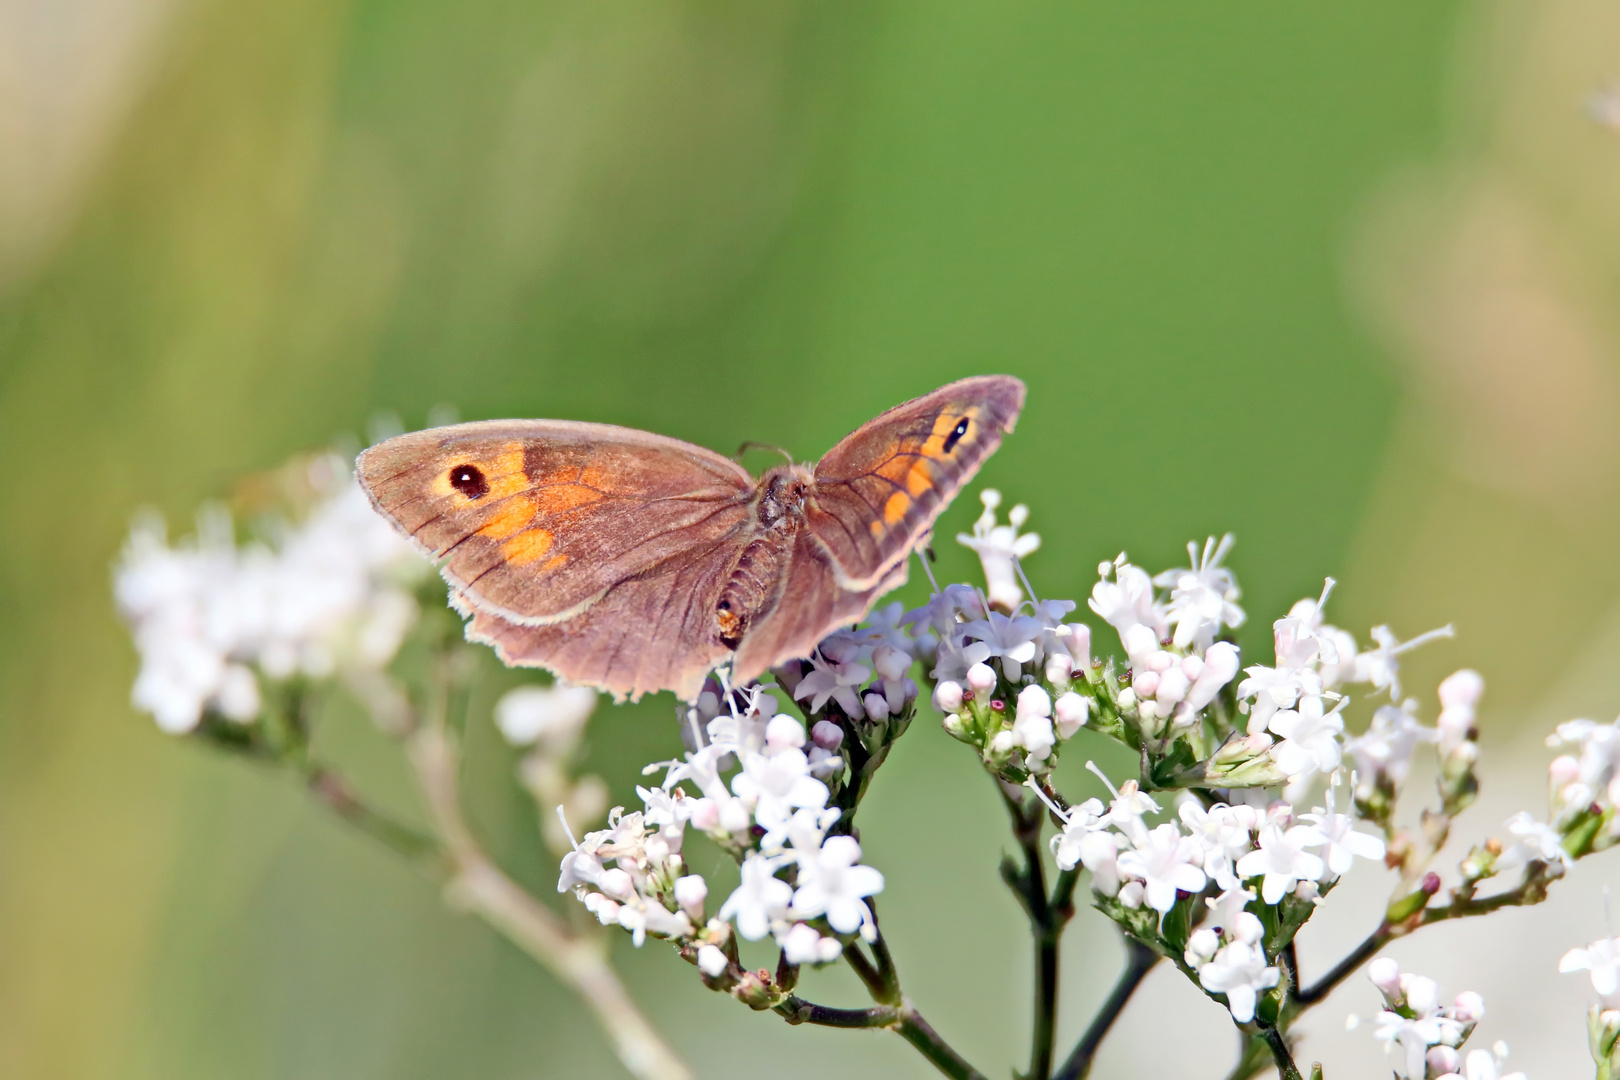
[1028, 883]
[1139, 960]
[335, 793]
[902, 1019]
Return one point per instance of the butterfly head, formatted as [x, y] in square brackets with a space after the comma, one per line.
[783, 491]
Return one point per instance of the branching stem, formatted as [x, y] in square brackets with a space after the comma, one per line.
[1139, 960]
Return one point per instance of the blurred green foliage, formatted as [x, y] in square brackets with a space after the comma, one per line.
[717, 220]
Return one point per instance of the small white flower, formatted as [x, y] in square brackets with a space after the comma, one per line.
[1128, 600]
[1537, 841]
[1602, 959]
[1283, 859]
[1203, 599]
[837, 671]
[1012, 638]
[803, 944]
[1380, 665]
[759, 898]
[1309, 737]
[999, 548]
[1080, 821]
[776, 785]
[1483, 1065]
[832, 883]
[1165, 862]
[1240, 972]
[1340, 841]
[1386, 748]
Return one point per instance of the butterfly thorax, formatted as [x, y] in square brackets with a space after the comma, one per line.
[755, 582]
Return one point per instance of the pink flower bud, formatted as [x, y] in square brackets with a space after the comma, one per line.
[617, 884]
[827, 735]
[1146, 684]
[1442, 1060]
[1563, 770]
[1469, 1007]
[981, 678]
[690, 893]
[1461, 689]
[1071, 711]
[948, 696]
[877, 706]
[1385, 974]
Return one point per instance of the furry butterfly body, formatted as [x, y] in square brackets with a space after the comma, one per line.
[633, 562]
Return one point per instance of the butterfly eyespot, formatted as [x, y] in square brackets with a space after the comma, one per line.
[956, 434]
[469, 480]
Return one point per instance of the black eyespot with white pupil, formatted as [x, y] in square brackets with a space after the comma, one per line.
[469, 480]
[956, 434]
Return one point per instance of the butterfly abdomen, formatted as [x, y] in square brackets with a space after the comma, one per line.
[755, 583]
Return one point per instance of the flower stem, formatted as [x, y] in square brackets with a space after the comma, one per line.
[1139, 960]
[335, 793]
[917, 1031]
[901, 1018]
[479, 885]
[1046, 921]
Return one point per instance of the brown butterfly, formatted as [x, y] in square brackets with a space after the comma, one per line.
[635, 563]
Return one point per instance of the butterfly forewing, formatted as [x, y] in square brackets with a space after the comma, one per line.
[879, 490]
[537, 519]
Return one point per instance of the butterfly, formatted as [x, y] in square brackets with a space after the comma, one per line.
[634, 563]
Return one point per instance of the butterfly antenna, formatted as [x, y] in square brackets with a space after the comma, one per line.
[752, 445]
[929, 570]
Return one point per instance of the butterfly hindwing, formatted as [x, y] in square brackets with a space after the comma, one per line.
[879, 490]
[537, 519]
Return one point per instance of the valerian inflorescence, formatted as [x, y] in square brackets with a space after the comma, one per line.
[1255, 786]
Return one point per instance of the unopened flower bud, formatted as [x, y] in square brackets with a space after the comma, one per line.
[1146, 684]
[952, 723]
[1563, 770]
[1469, 1006]
[877, 706]
[1422, 993]
[1071, 711]
[1385, 974]
[711, 961]
[783, 731]
[617, 884]
[1033, 700]
[690, 893]
[981, 677]
[1192, 666]
[1058, 667]
[1442, 1060]
[948, 696]
[1078, 642]
[1461, 689]
[1140, 642]
[890, 662]
[827, 735]
[1201, 947]
[1173, 686]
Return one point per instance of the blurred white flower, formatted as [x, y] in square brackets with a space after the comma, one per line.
[759, 898]
[554, 715]
[1602, 959]
[332, 592]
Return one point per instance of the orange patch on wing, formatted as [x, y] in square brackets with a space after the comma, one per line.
[877, 528]
[526, 547]
[561, 497]
[919, 478]
[505, 473]
[896, 507]
[512, 516]
[554, 562]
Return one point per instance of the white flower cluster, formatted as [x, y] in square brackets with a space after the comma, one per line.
[865, 671]
[1588, 780]
[333, 591]
[1244, 851]
[1428, 1035]
[795, 878]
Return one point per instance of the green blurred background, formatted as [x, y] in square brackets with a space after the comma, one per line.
[1335, 277]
